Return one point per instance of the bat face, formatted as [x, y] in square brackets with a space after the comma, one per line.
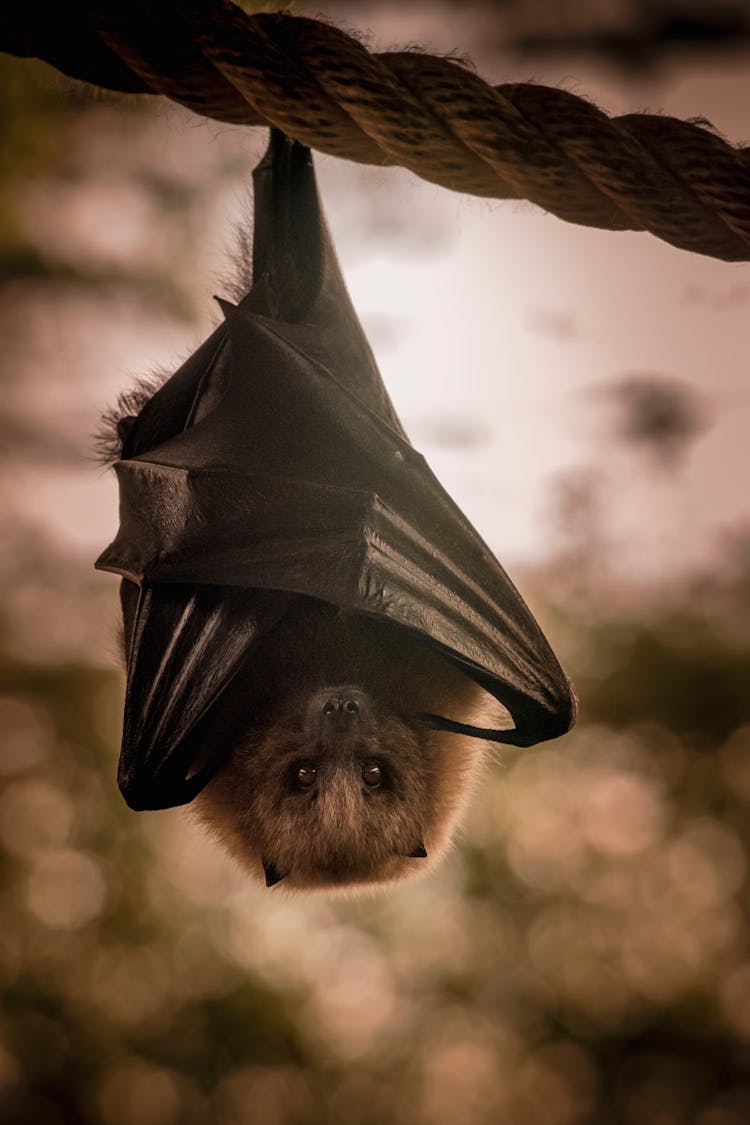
[334, 781]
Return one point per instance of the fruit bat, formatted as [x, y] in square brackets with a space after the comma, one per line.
[317, 640]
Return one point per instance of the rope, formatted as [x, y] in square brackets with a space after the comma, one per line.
[677, 179]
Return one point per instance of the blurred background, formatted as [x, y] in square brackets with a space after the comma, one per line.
[582, 958]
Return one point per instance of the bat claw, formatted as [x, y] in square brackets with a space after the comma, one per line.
[419, 852]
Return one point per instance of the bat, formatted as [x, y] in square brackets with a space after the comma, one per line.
[317, 640]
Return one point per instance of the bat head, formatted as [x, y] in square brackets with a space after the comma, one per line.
[339, 784]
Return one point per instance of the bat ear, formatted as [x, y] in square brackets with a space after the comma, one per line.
[273, 875]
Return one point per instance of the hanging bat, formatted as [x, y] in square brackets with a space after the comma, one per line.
[317, 641]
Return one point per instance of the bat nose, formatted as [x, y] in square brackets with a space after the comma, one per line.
[341, 706]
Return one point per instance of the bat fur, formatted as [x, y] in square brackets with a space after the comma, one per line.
[333, 694]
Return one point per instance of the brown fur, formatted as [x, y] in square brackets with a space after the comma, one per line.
[339, 833]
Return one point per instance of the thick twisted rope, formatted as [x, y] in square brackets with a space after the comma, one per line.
[677, 179]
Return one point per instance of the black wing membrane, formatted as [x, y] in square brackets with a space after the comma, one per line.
[273, 464]
[186, 645]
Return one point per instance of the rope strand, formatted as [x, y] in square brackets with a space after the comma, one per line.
[677, 179]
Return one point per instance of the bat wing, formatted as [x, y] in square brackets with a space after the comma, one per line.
[185, 645]
[273, 461]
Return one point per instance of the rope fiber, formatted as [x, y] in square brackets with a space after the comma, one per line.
[677, 179]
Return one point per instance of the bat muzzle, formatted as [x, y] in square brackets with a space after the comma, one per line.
[342, 717]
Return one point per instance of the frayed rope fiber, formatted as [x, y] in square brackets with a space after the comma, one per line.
[677, 179]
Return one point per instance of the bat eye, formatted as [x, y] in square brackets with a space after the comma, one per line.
[306, 776]
[372, 775]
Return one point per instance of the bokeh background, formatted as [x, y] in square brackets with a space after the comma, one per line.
[582, 958]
